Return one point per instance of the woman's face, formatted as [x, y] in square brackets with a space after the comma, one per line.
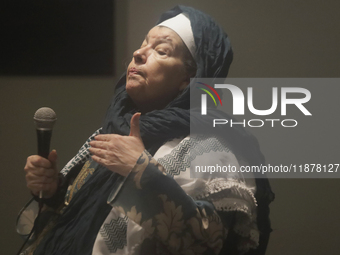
[156, 73]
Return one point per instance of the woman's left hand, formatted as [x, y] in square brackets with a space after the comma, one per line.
[119, 153]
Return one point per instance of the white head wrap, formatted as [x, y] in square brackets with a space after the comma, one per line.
[182, 26]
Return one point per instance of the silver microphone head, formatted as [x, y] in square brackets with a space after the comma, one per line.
[44, 118]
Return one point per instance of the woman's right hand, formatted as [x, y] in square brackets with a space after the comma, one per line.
[42, 174]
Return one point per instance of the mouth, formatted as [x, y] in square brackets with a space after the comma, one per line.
[134, 71]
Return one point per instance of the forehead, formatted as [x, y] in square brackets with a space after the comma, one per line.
[164, 34]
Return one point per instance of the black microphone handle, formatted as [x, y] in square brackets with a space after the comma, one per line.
[44, 139]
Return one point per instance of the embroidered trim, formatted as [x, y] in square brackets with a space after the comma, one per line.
[179, 159]
[79, 181]
[221, 186]
[236, 205]
[82, 155]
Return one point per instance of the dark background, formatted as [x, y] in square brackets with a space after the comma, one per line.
[57, 38]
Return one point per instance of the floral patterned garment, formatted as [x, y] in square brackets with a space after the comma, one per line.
[161, 210]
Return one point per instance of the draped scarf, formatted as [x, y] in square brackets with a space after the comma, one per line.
[76, 229]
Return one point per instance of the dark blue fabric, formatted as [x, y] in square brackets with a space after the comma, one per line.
[77, 228]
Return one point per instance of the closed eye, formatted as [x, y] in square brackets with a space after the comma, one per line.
[160, 52]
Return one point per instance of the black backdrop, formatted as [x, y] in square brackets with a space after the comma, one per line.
[56, 37]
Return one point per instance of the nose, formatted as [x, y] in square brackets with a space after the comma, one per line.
[140, 56]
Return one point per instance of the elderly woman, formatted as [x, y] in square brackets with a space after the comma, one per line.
[128, 190]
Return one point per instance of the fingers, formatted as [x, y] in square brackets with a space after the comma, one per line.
[37, 183]
[99, 145]
[116, 152]
[105, 141]
[42, 174]
[97, 152]
[38, 161]
[100, 160]
[53, 157]
[103, 137]
[134, 125]
[38, 164]
[39, 179]
[40, 171]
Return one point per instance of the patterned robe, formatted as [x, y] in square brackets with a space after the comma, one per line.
[160, 209]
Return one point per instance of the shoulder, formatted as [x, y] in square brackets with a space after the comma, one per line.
[204, 165]
[194, 150]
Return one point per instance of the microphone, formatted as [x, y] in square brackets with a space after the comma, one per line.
[44, 119]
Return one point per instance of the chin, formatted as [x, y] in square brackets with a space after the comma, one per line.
[131, 86]
[134, 91]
